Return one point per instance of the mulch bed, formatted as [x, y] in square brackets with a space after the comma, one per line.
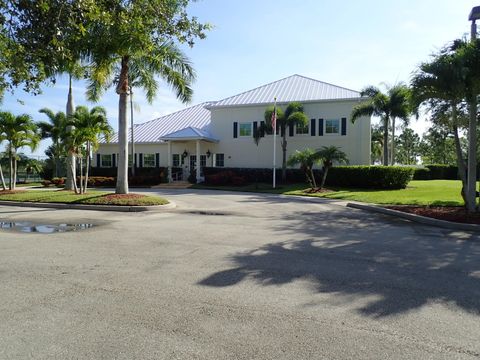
[9, 192]
[123, 196]
[448, 213]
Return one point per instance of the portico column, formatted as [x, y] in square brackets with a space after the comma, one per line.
[169, 161]
[198, 161]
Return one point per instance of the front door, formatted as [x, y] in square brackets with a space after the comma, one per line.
[192, 164]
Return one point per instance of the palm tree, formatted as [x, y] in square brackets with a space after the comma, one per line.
[330, 155]
[167, 62]
[2, 179]
[55, 129]
[306, 158]
[440, 84]
[293, 116]
[388, 106]
[88, 126]
[377, 144]
[19, 131]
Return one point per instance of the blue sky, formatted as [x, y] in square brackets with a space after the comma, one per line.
[253, 42]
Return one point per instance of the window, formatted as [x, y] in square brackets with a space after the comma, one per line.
[106, 160]
[245, 129]
[332, 126]
[219, 160]
[193, 162]
[176, 160]
[148, 160]
[203, 161]
[301, 129]
[129, 160]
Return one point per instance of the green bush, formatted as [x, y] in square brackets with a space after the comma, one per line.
[377, 177]
[422, 174]
[437, 172]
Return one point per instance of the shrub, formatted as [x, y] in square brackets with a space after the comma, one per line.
[378, 177]
[99, 181]
[58, 181]
[46, 183]
[422, 174]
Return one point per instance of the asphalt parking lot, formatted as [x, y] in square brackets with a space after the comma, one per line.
[237, 276]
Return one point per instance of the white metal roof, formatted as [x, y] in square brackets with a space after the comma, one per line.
[292, 88]
[190, 133]
[151, 131]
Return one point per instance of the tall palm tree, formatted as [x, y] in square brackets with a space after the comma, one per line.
[167, 62]
[55, 129]
[18, 131]
[89, 127]
[293, 115]
[2, 179]
[306, 159]
[330, 155]
[440, 84]
[388, 106]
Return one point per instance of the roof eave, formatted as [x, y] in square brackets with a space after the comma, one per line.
[287, 102]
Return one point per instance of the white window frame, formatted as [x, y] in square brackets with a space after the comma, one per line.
[145, 162]
[178, 160]
[216, 163]
[250, 125]
[307, 126]
[332, 133]
[102, 163]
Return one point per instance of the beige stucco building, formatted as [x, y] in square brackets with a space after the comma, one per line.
[221, 133]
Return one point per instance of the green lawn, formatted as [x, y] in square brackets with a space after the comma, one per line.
[418, 192]
[91, 197]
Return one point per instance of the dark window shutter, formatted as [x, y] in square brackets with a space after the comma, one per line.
[114, 163]
[291, 128]
[262, 128]
[157, 160]
[282, 130]
[235, 130]
[344, 126]
[98, 160]
[320, 127]
[313, 129]
[255, 128]
[140, 160]
[135, 161]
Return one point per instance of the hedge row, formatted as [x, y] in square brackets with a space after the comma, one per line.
[379, 177]
[436, 172]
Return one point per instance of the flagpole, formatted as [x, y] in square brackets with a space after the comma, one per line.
[274, 116]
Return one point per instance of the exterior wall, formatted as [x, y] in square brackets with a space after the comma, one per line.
[242, 151]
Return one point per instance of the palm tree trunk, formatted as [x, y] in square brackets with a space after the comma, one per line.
[284, 156]
[87, 167]
[2, 179]
[70, 182]
[312, 175]
[392, 155]
[131, 132]
[73, 169]
[472, 157]
[462, 171]
[15, 171]
[122, 166]
[81, 175]
[385, 141]
[324, 177]
[10, 178]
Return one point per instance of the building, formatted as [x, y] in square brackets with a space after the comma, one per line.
[220, 133]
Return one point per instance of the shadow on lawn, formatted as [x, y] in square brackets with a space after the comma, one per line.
[353, 255]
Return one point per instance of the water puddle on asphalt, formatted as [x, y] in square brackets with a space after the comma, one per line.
[29, 227]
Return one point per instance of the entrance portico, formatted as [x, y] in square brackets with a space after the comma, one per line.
[188, 136]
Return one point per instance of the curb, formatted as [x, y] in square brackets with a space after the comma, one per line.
[417, 218]
[119, 208]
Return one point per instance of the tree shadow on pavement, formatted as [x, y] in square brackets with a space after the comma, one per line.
[349, 253]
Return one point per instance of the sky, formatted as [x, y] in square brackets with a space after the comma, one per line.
[348, 43]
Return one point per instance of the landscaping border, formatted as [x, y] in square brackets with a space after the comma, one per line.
[417, 218]
[119, 208]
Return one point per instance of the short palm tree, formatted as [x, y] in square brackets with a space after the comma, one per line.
[293, 116]
[330, 155]
[167, 62]
[88, 127]
[55, 129]
[388, 106]
[306, 159]
[18, 131]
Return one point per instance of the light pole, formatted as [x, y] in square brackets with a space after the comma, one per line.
[472, 128]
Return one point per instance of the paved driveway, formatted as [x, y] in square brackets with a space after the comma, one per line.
[238, 276]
